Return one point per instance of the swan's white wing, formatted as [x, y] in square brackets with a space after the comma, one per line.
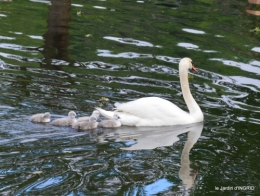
[149, 111]
[116, 104]
[151, 107]
[108, 114]
[125, 118]
[152, 111]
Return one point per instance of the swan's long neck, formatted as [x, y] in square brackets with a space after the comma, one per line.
[192, 105]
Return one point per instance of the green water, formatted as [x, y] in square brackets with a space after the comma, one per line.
[59, 56]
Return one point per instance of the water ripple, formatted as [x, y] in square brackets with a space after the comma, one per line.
[130, 55]
[256, 49]
[99, 7]
[2, 15]
[18, 57]
[126, 58]
[193, 31]
[168, 59]
[129, 41]
[7, 38]
[17, 47]
[243, 66]
[41, 1]
[2, 64]
[191, 46]
[36, 37]
[240, 80]
[157, 187]
[188, 45]
[45, 184]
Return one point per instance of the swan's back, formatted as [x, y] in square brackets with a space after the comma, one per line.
[146, 107]
[152, 111]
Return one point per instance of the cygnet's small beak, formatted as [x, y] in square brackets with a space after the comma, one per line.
[194, 69]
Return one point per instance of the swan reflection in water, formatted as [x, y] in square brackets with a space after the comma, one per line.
[152, 137]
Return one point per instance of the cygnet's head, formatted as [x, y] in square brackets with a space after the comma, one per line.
[116, 117]
[96, 112]
[92, 119]
[72, 115]
[188, 64]
[47, 115]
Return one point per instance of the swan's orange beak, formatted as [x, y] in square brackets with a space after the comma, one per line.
[194, 69]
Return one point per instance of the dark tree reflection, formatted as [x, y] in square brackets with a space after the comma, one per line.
[57, 35]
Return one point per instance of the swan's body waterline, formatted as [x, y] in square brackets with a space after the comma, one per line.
[155, 111]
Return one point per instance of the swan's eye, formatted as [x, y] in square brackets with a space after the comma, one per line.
[192, 63]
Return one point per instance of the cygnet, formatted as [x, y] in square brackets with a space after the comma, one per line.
[76, 125]
[110, 123]
[95, 114]
[86, 125]
[67, 121]
[42, 117]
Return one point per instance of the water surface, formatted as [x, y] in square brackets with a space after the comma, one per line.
[59, 56]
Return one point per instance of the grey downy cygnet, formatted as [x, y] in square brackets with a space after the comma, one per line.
[80, 120]
[42, 117]
[110, 123]
[95, 114]
[67, 121]
[86, 125]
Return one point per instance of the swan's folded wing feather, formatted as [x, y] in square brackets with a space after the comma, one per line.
[108, 114]
[116, 104]
[151, 107]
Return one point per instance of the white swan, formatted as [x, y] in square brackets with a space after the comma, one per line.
[67, 121]
[155, 111]
[42, 117]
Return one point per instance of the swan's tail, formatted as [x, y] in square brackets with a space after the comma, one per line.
[107, 114]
